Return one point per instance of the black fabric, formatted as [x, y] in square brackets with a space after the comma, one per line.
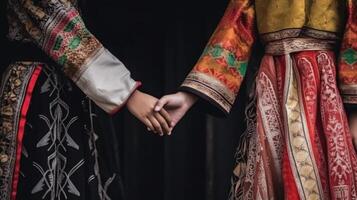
[4, 55]
[68, 147]
[19, 51]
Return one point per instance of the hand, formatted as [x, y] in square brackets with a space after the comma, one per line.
[176, 105]
[141, 105]
[352, 118]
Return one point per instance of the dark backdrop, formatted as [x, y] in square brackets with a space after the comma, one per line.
[160, 42]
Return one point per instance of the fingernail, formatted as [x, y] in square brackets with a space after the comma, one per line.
[169, 133]
[172, 124]
[157, 108]
[148, 129]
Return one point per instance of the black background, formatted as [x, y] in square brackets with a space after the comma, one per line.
[159, 41]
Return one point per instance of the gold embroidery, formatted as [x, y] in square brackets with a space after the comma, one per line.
[290, 45]
[212, 88]
[300, 156]
[298, 32]
[281, 14]
[11, 98]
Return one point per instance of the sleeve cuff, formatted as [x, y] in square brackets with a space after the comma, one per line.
[348, 94]
[107, 82]
[138, 84]
[349, 99]
[211, 90]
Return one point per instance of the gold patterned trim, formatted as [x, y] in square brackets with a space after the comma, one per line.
[12, 94]
[319, 34]
[291, 45]
[97, 53]
[298, 32]
[288, 33]
[349, 99]
[299, 146]
[348, 89]
[211, 88]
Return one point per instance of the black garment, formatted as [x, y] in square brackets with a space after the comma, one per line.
[68, 152]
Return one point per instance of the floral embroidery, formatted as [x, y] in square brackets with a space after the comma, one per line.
[348, 59]
[58, 29]
[226, 56]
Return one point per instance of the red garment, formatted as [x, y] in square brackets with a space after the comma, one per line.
[302, 148]
[298, 146]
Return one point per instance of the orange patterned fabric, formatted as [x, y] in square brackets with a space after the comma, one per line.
[348, 57]
[219, 72]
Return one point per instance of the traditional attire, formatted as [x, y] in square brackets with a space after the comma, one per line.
[297, 144]
[52, 142]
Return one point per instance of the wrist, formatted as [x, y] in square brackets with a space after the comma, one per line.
[132, 98]
[189, 99]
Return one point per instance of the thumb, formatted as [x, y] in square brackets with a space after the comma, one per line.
[161, 103]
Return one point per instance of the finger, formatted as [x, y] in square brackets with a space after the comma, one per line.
[167, 117]
[163, 123]
[156, 125]
[161, 103]
[148, 124]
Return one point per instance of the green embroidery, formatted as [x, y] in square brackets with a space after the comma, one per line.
[243, 68]
[350, 56]
[71, 25]
[217, 52]
[62, 60]
[58, 43]
[75, 42]
[231, 59]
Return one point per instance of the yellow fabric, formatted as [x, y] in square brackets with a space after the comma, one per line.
[276, 15]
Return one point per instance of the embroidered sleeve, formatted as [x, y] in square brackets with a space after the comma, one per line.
[218, 74]
[57, 28]
[348, 57]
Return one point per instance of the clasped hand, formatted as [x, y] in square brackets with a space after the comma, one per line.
[160, 116]
[142, 105]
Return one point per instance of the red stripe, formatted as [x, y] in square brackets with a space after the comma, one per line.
[21, 129]
[290, 188]
[289, 184]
